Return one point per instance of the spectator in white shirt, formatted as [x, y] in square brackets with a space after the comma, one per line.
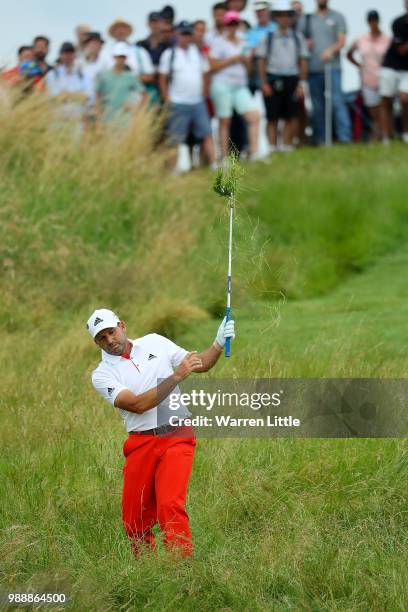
[183, 81]
[137, 59]
[68, 85]
[229, 87]
[89, 62]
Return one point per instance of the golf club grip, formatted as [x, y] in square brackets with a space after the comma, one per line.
[228, 340]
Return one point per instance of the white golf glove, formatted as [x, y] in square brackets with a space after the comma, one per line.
[225, 330]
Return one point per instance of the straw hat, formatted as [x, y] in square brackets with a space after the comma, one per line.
[119, 22]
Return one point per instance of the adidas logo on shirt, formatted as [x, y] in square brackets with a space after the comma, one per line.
[151, 357]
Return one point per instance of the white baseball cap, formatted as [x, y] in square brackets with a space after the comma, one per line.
[260, 5]
[101, 319]
[282, 6]
[120, 48]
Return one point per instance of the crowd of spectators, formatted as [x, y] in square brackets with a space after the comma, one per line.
[287, 66]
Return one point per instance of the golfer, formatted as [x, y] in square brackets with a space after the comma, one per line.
[137, 376]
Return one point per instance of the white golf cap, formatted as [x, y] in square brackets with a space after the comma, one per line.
[101, 319]
[260, 5]
[120, 48]
[282, 6]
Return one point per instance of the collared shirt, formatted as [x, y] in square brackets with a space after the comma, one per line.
[186, 68]
[154, 52]
[235, 74]
[59, 80]
[151, 360]
[137, 59]
[258, 32]
[324, 31]
[286, 49]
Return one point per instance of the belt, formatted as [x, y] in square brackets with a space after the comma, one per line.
[156, 431]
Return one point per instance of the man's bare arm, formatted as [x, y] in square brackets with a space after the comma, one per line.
[209, 357]
[164, 87]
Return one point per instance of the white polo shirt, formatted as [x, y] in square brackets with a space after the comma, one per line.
[152, 359]
[187, 67]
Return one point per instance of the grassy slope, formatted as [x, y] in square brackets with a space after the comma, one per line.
[277, 525]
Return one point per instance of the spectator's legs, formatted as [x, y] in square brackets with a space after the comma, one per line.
[225, 123]
[272, 131]
[208, 149]
[288, 132]
[253, 119]
[387, 118]
[316, 84]
[375, 114]
[404, 114]
[341, 115]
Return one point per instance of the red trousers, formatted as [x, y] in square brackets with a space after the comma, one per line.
[155, 480]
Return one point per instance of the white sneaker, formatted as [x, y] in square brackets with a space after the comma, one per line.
[287, 148]
[255, 157]
[405, 137]
[386, 141]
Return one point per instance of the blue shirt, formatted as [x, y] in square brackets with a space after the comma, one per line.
[257, 33]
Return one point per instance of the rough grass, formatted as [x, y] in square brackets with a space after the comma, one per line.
[282, 525]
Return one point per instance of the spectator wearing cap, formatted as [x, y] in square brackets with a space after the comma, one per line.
[371, 48]
[154, 43]
[229, 86]
[168, 14]
[14, 75]
[264, 23]
[394, 77]
[68, 85]
[264, 26]
[325, 31]
[137, 59]
[183, 79]
[282, 62]
[119, 91]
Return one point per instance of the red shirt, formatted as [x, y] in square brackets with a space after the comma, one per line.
[12, 76]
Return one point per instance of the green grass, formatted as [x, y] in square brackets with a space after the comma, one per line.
[320, 267]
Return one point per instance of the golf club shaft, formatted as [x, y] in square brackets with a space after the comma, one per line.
[228, 309]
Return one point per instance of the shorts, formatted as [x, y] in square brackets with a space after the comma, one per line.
[371, 97]
[188, 118]
[283, 104]
[227, 98]
[393, 82]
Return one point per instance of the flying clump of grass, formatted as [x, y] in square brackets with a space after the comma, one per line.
[228, 179]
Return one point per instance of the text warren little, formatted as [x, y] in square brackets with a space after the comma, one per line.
[228, 421]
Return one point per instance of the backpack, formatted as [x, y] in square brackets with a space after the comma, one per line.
[171, 64]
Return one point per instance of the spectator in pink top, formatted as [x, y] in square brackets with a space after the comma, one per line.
[371, 48]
